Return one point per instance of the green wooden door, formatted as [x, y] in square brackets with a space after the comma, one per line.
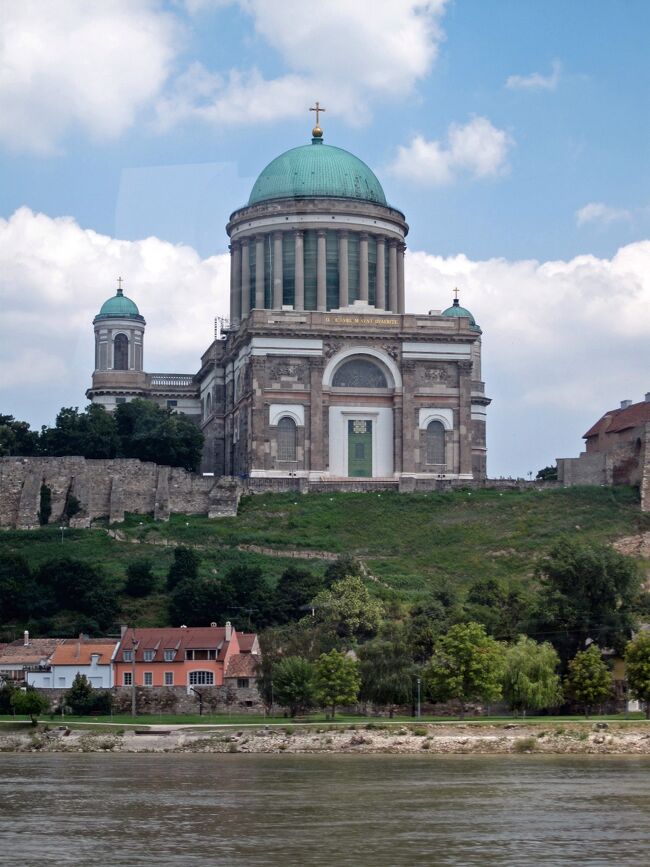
[360, 448]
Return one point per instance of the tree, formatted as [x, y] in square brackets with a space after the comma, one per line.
[30, 703]
[194, 602]
[293, 686]
[637, 667]
[151, 433]
[343, 567]
[336, 680]
[531, 681]
[589, 681]
[349, 608]
[547, 474]
[294, 593]
[501, 608]
[140, 580]
[16, 587]
[91, 434]
[73, 585]
[16, 438]
[247, 596]
[80, 695]
[587, 592]
[185, 565]
[386, 670]
[45, 505]
[82, 698]
[430, 619]
[467, 665]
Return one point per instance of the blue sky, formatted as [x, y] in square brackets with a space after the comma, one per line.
[514, 136]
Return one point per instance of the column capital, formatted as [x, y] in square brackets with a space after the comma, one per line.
[321, 233]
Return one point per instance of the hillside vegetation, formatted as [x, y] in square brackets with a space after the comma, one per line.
[410, 543]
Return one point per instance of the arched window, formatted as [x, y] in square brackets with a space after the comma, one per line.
[435, 443]
[208, 406]
[121, 352]
[287, 439]
[359, 373]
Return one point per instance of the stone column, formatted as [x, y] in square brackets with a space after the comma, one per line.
[363, 267]
[299, 301]
[245, 280]
[259, 272]
[392, 276]
[321, 272]
[465, 417]
[380, 288]
[343, 269]
[235, 283]
[278, 276]
[400, 277]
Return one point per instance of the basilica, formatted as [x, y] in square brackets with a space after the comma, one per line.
[321, 373]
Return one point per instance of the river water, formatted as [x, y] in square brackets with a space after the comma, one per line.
[328, 810]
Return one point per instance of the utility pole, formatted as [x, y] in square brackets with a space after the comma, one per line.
[133, 693]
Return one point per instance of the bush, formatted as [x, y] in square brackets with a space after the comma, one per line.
[45, 510]
[83, 700]
[140, 580]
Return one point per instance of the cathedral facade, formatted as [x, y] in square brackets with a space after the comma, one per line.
[322, 373]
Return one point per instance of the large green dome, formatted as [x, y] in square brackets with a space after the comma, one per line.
[119, 307]
[317, 170]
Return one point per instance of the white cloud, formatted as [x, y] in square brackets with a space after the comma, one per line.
[54, 276]
[536, 81]
[348, 55]
[79, 64]
[597, 212]
[478, 148]
[563, 341]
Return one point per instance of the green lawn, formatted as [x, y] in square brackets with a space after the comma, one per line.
[409, 542]
[238, 720]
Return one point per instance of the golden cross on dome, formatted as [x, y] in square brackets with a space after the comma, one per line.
[456, 294]
[318, 110]
[119, 285]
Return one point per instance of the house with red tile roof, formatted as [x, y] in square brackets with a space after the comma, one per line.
[19, 658]
[92, 657]
[186, 656]
[617, 451]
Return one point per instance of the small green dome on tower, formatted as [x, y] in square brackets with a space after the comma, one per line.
[458, 311]
[119, 307]
[317, 170]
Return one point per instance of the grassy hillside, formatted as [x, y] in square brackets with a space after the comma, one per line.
[409, 542]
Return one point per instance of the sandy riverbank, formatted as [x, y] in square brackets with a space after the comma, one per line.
[580, 738]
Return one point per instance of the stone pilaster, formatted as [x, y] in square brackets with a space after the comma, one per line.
[400, 277]
[315, 457]
[235, 283]
[465, 417]
[408, 417]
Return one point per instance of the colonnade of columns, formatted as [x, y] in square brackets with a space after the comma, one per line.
[389, 287]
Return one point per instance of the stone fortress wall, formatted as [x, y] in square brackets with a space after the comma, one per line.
[109, 488]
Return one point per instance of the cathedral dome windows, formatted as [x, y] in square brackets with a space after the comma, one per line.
[121, 352]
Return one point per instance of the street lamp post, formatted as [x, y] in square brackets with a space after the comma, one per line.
[419, 680]
[62, 528]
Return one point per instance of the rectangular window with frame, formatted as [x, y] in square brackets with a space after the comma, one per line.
[149, 655]
[127, 655]
[169, 678]
[201, 678]
[127, 678]
[170, 653]
[148, 678]
[242, 683]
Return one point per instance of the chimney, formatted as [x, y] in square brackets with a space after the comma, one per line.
[25, 638]
[625, 404]
[647, 397]
[123, 629]
[228, 630]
